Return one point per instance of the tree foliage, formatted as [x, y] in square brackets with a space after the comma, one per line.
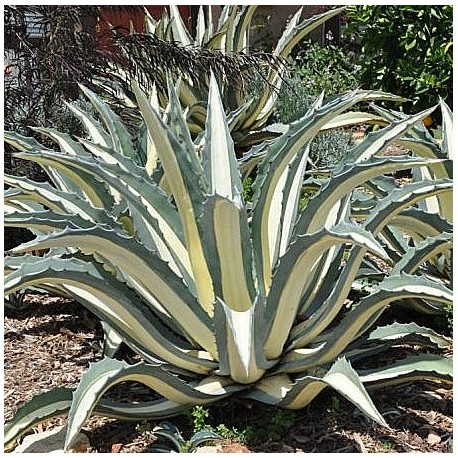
[407, 49]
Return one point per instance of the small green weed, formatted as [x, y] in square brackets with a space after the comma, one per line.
[272, 427]
[199, 417]
[233, 433]
[248, 189]
[200, 421]
[335, 404]
[145, 427]
[280, 423]
[388, 445]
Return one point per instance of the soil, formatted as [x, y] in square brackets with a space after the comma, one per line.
[53, 341]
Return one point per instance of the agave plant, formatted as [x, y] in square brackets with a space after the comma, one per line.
[218, 297]
[428, 245]
[170, 440]
[248, 111]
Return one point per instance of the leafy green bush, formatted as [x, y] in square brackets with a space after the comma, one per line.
[406, 49]
[315, 68]
[327, 68]
[224, 299]
[293, 101]
[328, 148]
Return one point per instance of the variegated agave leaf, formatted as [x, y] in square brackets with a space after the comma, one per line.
[431, 217]
[219, 299]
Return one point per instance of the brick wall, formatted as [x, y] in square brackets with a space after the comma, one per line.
[268, 21]
[271, 20]
[136, 16]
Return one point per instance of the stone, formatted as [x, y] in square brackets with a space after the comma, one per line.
[433, 439]
[52, 441]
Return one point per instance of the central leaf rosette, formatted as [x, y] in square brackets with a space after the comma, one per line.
[250, 276]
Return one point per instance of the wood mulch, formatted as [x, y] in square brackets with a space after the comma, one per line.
[52, 343]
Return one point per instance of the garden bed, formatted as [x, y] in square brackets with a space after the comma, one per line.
[52, 342]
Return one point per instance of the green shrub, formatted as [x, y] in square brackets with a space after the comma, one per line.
[406, 49]
[327, 68]
[293, 101]
[329, 148]
[315, 68]
[224, 299]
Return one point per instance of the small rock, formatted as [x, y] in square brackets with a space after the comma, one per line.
[433, 439]
[116, 448]
[51, 441]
